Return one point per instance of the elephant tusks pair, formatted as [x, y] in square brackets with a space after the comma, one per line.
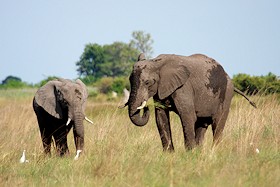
[142, 105]
[86, 118]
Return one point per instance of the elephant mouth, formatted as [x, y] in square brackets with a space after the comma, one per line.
[137, 110]
[137, 117]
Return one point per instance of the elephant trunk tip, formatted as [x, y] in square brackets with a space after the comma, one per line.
[139, 120]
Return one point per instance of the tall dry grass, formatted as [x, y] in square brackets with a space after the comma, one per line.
[118, 153]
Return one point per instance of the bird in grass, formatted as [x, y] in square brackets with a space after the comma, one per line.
[23, 158]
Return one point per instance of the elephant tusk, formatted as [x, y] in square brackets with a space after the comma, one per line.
[142, 106]
[88, 120]
[68, 121]
[78, 154]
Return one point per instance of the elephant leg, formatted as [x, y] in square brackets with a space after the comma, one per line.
[46, 135]
[184, 103]
[188, 119]
[199, 135]
[201, 126]
[61, 145]
[60, 137]
[163, 125]
[188, 124]
[46, 140]
[218, 126]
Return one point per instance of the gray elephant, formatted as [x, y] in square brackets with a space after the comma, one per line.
[195, 87]
[59, 105]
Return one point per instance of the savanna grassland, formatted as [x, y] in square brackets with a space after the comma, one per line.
[117, 153]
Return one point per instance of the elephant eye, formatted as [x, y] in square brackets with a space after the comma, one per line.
[147, 82]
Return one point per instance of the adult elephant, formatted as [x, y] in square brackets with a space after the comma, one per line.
[195, 87]
[59, 105]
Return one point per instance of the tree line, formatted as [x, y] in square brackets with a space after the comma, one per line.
[114, 60]
[107, 67]
[265, 84]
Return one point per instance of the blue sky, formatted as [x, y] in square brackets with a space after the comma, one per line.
[42, 38]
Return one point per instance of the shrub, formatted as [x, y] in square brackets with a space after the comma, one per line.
[108, 84]
[88, 80]
[119, 84]
[257, 84]
[104, 85]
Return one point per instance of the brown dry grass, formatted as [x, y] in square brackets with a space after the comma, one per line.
[118, 153]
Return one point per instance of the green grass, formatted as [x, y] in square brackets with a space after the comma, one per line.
[117, 153]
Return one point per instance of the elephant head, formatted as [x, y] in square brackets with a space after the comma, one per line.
[151, 77]
[65, 100]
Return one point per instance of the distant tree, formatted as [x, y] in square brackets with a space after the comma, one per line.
[143, 42]
[91, 60]
[119, 58]
[106, 61]
[11, 78]
[113, 60]
[13, 82]
[272, 83]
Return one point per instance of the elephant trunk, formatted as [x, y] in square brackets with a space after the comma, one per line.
[137, 101]
[79, 130]
[139, 120]
[134, 112]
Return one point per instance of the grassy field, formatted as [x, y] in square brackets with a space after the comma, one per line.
[117, 153]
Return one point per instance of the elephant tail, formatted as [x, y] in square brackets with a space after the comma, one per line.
[241, 93]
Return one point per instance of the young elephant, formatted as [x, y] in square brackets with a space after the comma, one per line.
[195, 87]
[59, 105]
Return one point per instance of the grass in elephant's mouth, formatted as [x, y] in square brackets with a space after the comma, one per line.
[118, 153]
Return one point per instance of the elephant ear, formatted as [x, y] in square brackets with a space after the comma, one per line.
[47, 99]
[172, 76]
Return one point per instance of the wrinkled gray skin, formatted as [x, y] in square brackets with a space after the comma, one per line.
[195, 87]
[53, 104]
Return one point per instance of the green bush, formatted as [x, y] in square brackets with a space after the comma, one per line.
[267, 84]
[88, 80]
[92, 91]
[119, 84]
[108, 84]
[104, 85]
